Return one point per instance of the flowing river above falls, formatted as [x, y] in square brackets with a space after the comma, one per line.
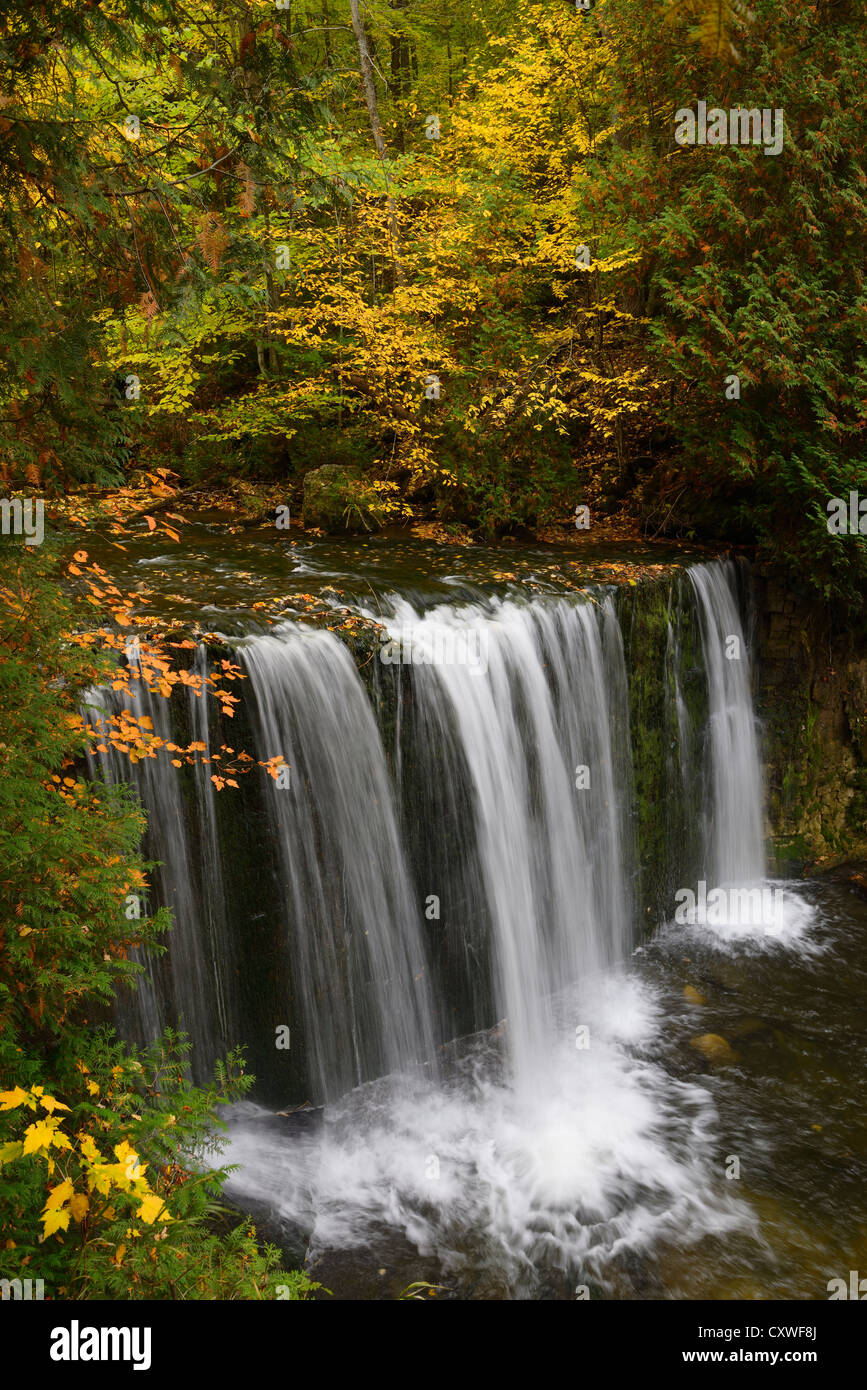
[491, 1051]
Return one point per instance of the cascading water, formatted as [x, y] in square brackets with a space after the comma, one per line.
[453, 846]
[185, 977]
[537, 733]
[140, 1015]
[358, 961]
[734, 811]
[217, 941]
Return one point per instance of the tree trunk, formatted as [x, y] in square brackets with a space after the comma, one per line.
[375, 127]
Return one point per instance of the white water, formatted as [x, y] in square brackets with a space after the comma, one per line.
[609, 1156]
[734, 805]
[735, 834]
[211, 899]
[185, 976]
[353, 923]
[554, 858]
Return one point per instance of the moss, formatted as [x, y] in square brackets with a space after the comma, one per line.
[815, 758]
[658, 620]
[331, 501]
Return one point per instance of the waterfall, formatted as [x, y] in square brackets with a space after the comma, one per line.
[537, 734]
[139, 1011]
[219, 943]
[183, 979]
[452, 842]
[437, 899]
[347, 902]
[733, 812]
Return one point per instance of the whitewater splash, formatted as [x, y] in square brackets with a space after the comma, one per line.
[753, 918]
[508, 1191]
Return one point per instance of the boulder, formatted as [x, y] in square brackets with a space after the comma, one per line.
[330, 494]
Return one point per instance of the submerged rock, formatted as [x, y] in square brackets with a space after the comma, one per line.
[714, 1048]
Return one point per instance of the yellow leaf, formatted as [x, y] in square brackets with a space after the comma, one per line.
[50, 1104]
[119, 1254]
[79, 1206]
[55, 1221]
[100, 1178]
[38, 1136]
[93, 1088]
[10, 1100]
[58, 1195]
[151, 1208]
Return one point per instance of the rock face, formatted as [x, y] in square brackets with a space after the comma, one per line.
[812, 697]
[331, 500]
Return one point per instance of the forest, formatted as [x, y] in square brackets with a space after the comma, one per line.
[468, 275]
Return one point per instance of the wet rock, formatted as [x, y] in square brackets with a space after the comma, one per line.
[692, 996]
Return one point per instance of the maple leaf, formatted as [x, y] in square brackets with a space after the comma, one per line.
[151, 1208]
[10, 1100]
[100, 1178]
[38, 1136]
[59, 1194]
[55, 1221]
